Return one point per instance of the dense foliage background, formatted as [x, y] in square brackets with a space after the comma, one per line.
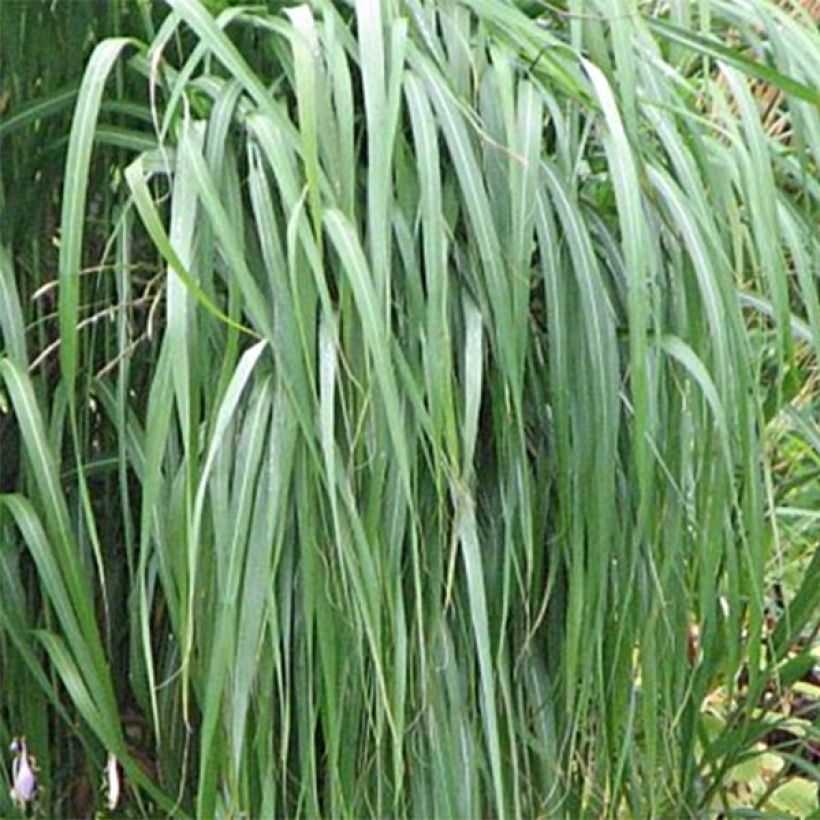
[410, 408]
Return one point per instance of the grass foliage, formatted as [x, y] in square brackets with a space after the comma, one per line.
[407, 405]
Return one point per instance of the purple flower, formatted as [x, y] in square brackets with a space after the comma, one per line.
[23, 777]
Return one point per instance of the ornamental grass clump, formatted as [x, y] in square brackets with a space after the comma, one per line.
[391, 390]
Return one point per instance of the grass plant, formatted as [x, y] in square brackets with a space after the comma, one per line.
[410, 408]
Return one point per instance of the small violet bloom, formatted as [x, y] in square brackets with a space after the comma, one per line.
[23, 777]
